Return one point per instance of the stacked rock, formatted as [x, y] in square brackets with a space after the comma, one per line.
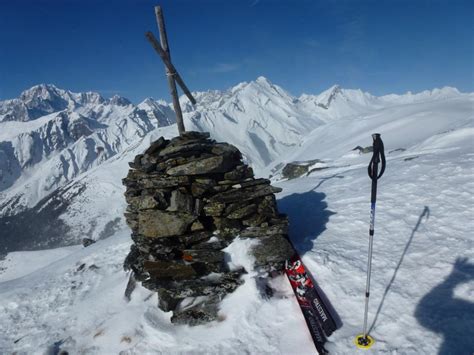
[188, 198]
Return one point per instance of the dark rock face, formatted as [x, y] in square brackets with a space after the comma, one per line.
[299, 168]
[294, 170]
[188, 198]
[87, 241]
[40, 226]
[364, 150]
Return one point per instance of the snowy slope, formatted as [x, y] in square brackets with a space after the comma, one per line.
[424, 224]
[422, 296]
[337, 102]
[404, 127]
[260, 118]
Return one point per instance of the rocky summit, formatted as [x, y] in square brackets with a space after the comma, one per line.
[188, 199]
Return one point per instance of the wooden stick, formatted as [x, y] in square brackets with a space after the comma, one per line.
[171, 83]
[151, 38]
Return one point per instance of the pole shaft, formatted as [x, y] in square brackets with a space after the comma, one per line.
[369, 266]
[171, 83]
[373, 199]
[373, 171]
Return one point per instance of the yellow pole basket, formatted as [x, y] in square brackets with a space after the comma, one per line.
[363, 341]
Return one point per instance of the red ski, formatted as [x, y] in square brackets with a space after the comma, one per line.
[314, 310]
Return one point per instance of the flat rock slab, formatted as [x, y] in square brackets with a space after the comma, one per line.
[252, 182]
[240, 172]
[214, 209]
[220, 286]
[245, 194]
[271, 251]
[159, 224]
[171, 270]
[198, 148]
[257, 232]
[216, 164]
[243, 212]
[157, 145]
[142, 202]
[161, 182]
[226, 149]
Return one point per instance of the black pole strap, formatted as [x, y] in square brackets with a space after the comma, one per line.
[373, 168]
[377, 157]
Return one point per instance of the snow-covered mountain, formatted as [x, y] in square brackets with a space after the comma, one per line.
[337, 102]
[57, 187]
[49, 136]
[261, 118]
[62, 154]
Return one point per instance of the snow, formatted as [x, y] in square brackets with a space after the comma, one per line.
[13, 267]
[422, 290]
[83, 307]
[15, 128]
[402, 126]
[424, 223]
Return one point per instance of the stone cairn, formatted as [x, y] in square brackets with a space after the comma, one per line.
[188, 198]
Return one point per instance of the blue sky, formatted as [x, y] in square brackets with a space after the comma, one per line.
[304, 46]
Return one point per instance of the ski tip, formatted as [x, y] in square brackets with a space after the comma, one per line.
[363, 341]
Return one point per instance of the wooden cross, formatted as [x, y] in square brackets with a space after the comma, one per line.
[171, 72]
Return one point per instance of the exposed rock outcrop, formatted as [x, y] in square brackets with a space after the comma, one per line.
[299, 168]
[364, 150]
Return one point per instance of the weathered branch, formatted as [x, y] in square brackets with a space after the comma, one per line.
[151, 38]
[171, 83]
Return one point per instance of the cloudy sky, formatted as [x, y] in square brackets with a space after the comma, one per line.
[305, 46]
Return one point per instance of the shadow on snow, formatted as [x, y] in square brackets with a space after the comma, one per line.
[308, 215]
[424, 214]
[439, 310]
[452, 317]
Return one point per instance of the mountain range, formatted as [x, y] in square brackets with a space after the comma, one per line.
[62, 154]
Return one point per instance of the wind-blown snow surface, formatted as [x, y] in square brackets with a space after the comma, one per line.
[422, 295]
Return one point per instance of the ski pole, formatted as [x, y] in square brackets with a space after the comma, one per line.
[364, 340]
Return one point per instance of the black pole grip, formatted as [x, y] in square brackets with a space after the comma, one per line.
[373, 168]
[377, 157]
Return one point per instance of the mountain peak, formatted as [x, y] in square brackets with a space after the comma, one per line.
[119, 101]
[327, 97]
[265, 87]
[263, 81]
[148, 101]
[336, 88]
[42, 91]
[89, 98]
[446, 90]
